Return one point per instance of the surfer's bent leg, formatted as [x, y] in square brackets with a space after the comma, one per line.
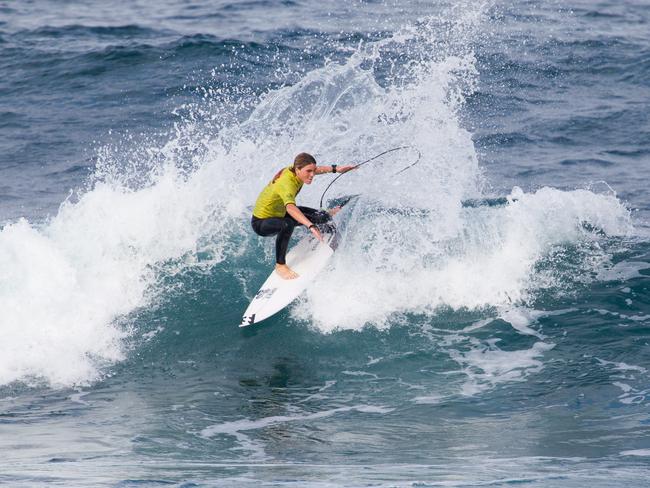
[315, 216]
[282, 226]
[320, 217]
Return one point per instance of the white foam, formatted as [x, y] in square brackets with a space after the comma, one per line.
[626, 388]
[634, 318]
[477, 325]
[486, 366]
[630, 394]
[520, 318]
[65, 283]
[150, 335]
[636, 452]
[621, 366]
[238, 426]
[460, 258]
[623, 271]
[429, 399]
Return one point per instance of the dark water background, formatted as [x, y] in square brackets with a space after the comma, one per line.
[483, 323]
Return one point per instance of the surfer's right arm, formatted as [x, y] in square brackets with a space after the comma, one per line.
[299, 217]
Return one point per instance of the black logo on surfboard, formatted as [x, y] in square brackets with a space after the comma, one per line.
[265, 293]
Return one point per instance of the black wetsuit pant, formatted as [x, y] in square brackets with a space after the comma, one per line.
[283, 227]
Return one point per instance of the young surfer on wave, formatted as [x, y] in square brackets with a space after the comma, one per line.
[276, 211]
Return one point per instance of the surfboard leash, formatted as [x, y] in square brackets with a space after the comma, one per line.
[399, 148]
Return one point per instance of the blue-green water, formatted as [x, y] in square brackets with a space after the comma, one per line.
[484, 321]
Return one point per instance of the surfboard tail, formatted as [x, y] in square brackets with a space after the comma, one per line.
[247, 320]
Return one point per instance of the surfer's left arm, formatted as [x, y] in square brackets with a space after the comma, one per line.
[334, 168]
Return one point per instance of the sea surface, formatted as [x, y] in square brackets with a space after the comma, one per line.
[485, 320]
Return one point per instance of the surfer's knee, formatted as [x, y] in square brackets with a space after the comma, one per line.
[287, 225]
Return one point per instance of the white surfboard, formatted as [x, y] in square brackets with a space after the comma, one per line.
[307, 258]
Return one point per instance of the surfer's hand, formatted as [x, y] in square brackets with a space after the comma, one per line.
[314, 230]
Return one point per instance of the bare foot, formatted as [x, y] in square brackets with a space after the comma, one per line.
[334, 211]
[285, 272]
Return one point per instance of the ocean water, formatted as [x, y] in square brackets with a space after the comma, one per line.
[484, 322]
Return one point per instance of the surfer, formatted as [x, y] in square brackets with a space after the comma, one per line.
[276, 212]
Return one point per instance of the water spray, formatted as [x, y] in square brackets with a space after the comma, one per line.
[400, 148]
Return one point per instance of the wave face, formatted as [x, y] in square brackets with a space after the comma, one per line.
[150, 205]
[488, 304]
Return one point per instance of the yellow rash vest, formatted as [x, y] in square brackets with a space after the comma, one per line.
[275, 197]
